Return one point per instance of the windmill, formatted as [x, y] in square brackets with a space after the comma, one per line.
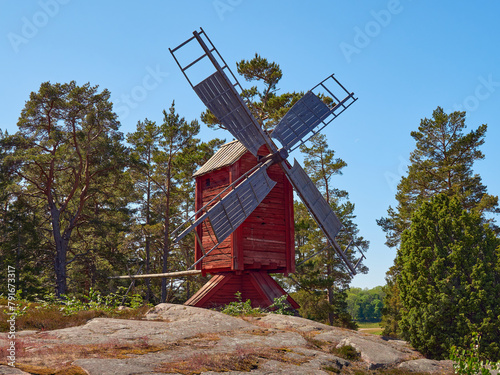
[224, 213]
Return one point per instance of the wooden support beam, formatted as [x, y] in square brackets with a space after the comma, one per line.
[160, 275]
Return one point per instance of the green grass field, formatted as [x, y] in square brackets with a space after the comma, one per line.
[373, 328]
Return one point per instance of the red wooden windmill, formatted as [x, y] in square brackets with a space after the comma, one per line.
[263, 243]
[244, 200]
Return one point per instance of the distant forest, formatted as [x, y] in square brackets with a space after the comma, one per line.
[365, 305]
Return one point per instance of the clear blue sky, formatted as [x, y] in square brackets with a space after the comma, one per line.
[401, 58]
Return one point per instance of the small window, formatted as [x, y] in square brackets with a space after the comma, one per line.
[207, 182]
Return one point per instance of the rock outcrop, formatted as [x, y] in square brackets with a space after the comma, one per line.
[181, 339]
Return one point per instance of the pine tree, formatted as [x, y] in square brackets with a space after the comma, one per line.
[325, 273]
[442, 162]
[177, 139]
[20, 241]
[265, 104]
[67, 155]
[145, 147]
[168, 154]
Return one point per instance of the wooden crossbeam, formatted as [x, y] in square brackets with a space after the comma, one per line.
[160, 275]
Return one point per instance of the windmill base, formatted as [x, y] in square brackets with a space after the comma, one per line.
[256, 286]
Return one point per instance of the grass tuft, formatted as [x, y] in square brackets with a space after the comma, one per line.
[347, 352]
[331, 369]
[47, 318]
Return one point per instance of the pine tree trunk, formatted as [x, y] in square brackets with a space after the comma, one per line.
[60, 259]
[148, 280]
[61, 243]
[148, 240]
[166, 240]
[330, 295]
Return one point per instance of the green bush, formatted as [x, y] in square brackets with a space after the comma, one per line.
[239, 307]
[94, 300]
[281, 306]
[468, 362]
[315, 306]
[50, 312]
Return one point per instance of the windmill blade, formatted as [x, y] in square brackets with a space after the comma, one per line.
[235, 207]
[232, 209]
[318, 207]
[224, 102]
[310, 113]
[303, 117]
[220, 96]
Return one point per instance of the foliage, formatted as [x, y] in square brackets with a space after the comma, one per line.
[347, 352]
[325, 274]
[166, 156]
[442, 162]
[468, 362]
[280, 306]
[450, 279]
[391, 311]
[365, 305]
[239, 307]
[315, 306]
[77, 204]
[94, 300]
[69, 161]
[51, 312]
[21, 240]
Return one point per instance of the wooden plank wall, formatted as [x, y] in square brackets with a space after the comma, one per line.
[212, 184]
[266, 239]
[265, 231]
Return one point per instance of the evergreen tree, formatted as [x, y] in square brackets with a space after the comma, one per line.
[168, 154]
[391, 304]
[99, 243]
[265, 104]
[145, 146]
[442, 162]
[177, 138]
[450, 279]
[68, 156]
[325, 272]
[20, 243]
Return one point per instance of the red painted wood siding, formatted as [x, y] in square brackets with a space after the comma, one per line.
[266, 239]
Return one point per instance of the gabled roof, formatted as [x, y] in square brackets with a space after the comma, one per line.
[226, 155]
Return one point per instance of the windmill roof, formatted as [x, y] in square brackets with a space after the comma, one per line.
[226, 155]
